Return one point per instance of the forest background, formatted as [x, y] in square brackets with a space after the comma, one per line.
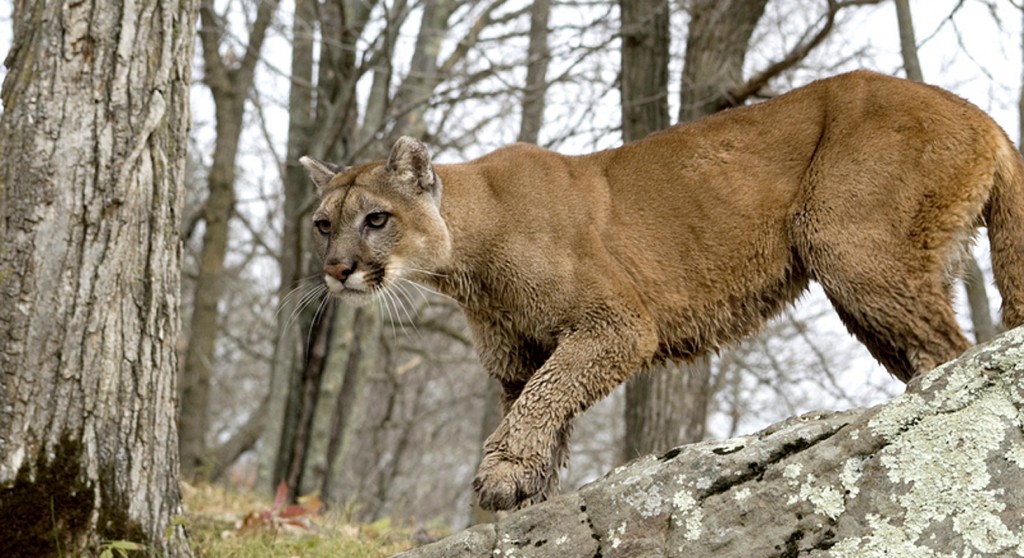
[382, 410]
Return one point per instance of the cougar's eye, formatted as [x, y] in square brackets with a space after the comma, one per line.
[377, 220]
[323, 226]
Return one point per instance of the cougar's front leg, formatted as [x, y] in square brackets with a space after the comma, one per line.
[522, 456]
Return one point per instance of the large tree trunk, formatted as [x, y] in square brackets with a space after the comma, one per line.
[92, 140]
[719, 36]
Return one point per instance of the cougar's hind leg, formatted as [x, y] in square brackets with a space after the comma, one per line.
[884, 240]
[904, 317]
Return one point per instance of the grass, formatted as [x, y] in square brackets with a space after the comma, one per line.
[215, 518]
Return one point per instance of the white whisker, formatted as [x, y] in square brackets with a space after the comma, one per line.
[424, 288]
[391, 318]
[313, 292]
[319, 309]
[401, 283]
[397, 293]
[300, 291]
[404, 267]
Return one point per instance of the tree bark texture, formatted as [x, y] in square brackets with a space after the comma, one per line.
[644, 81]
[92, 140]
[716, 46]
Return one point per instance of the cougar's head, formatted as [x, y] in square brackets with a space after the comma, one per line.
[378, 223]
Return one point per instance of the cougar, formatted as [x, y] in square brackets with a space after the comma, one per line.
[575, 272]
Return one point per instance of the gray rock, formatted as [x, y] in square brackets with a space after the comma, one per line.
[936, 472]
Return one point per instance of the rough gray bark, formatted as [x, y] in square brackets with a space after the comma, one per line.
[644, 81]
[92, 140]
[716, 46]
[937, 472]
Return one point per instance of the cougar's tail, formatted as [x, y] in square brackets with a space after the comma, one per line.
[1004, 215]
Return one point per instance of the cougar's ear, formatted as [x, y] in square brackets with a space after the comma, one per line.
[410, 162]
[320, 172]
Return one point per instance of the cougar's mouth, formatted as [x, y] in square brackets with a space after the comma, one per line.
[359, 287]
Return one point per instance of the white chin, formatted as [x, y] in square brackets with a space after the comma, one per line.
[356, 297]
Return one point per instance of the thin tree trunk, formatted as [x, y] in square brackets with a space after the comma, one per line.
[977, 300]
[299, 458]
[489, 423]
[537, 57]
[298, 191]
[347, 397]
[908, 44]
[221, 457]
[93, 140]
[411, 99]
[662, 413]
[296, 454]
[644, 81]
[230, 87]
[668, 406]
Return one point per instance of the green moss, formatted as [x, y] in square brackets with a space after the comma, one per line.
[48, 513]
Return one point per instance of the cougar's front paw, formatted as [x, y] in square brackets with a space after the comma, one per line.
[501, 484]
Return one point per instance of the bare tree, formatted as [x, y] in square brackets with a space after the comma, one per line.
[93, 140]
[230, 81]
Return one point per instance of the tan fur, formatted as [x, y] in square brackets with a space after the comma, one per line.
[575, 272]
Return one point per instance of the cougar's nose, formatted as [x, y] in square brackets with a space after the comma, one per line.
[340, 270]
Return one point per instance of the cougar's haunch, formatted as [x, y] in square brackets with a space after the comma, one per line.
[574, 272]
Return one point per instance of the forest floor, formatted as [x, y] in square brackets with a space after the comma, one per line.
[223, 524]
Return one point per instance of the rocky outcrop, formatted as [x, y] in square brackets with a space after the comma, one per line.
[936, 472]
